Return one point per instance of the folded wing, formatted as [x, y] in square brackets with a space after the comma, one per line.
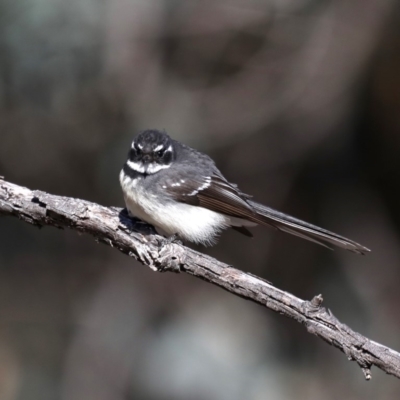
[217, 194]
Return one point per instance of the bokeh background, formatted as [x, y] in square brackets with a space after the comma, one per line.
[298, 101]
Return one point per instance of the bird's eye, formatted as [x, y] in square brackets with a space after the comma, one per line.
[160, 153]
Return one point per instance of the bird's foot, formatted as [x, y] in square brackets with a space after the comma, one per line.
[175, 238]
[146, 256]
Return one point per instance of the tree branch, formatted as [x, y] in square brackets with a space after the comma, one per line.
[113, 227]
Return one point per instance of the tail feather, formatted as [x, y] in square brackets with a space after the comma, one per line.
[297, 227]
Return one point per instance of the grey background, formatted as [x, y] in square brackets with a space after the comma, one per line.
[297, 101]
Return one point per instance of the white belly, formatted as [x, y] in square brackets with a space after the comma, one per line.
[196, 224]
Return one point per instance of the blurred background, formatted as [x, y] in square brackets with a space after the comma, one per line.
[298, 101]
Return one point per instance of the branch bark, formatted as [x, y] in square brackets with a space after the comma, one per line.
[113, 227]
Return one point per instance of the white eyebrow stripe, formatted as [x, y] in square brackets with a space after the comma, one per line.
[133, 144]
[159, 147]
[169, 148]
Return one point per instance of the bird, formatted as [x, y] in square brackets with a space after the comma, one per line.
[182, 193]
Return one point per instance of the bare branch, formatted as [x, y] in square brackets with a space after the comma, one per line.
[113, 227]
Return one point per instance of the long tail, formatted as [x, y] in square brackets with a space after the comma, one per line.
[286, 223]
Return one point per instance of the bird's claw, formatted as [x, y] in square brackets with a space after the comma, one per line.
[175, 238]
[146, 256]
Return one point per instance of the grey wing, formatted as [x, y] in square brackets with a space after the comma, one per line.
[217, 194]
[211, 191]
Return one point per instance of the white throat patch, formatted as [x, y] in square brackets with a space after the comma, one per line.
[151, 168]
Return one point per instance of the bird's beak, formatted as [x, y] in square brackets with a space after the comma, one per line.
[147, 159]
